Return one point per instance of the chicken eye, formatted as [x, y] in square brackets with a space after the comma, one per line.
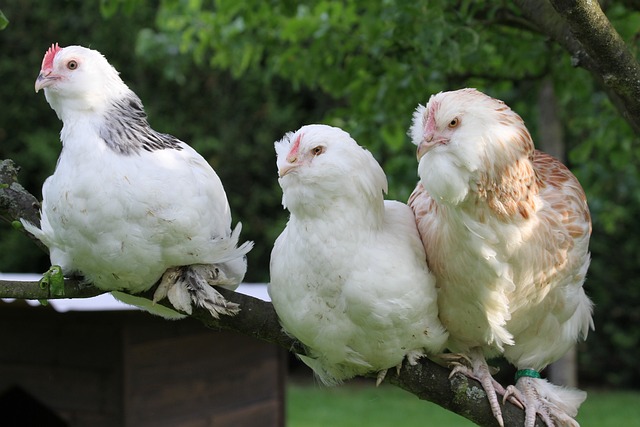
[316, 151]
[72, 65]
[453, 123]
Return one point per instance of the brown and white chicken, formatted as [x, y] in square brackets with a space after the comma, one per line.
[506, 231]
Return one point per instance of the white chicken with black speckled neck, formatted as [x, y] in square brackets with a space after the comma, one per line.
[128, 206]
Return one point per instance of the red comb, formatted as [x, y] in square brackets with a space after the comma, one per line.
[47, 61]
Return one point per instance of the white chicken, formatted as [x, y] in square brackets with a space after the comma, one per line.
[506, 230]
[128, 206]
[348, 273]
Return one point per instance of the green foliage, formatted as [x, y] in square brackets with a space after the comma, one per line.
[3, 21]
[109, 8]
[378, 60]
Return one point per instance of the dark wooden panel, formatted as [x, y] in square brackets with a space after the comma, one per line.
[70, 362]
[209, 375]
[132, 369]
[259, 414]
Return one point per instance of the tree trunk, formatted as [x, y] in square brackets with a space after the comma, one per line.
[565, 371]
[550, 133]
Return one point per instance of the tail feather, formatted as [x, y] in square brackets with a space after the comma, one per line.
[33, 229]
[227, 249]
[327, 378]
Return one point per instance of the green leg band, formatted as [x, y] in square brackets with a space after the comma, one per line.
[531, 373]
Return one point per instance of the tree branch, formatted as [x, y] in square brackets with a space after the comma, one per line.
[617, 65]
[258, 319]
[16, 202]
[32, 290]
[584, 31]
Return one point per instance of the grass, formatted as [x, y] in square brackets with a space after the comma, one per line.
[312, 405]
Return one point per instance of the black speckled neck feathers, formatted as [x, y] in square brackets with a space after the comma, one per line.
[126, 130]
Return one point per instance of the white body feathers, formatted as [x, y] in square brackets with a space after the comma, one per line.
[348, 273]
[125, 202]
[121, 221]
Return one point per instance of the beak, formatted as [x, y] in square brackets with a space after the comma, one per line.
[287, 165]
[423, 148]
[45, 79]
[427, 144]
[286, 168]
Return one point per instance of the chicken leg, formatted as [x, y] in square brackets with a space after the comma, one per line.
[474, 365]
[556, 405]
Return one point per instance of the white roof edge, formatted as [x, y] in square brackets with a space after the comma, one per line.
[106, 302]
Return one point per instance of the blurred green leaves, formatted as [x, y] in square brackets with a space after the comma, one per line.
[109, 8]
[3, 21]
[230, 77]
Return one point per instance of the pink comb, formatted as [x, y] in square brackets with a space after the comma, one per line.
[430, 125]
[47, 61]
[294, 150]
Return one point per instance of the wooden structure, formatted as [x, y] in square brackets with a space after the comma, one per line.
[128, 368]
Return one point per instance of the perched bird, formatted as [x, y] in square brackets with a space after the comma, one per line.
[506, 231]
[128, 206]
[348, 273]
